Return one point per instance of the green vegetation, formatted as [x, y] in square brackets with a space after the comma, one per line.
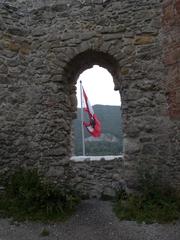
[45, 232]
[100, 149]
[110, 117]
[153, 203]
[26, 196]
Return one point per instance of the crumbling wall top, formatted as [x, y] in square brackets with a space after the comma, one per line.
[28, 5]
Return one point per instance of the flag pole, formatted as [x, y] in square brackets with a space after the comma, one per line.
[82, 120]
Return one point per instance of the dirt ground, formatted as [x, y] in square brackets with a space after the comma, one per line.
[93, 220]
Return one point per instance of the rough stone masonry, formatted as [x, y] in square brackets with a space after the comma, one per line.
[46, 44]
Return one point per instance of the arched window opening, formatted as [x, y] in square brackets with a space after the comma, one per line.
[99, 87]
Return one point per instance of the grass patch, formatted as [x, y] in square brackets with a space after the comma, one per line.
[45, 232]
[153, 203]
[27, 197]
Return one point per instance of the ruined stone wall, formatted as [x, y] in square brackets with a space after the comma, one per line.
[171, 59]
[97, 178]
[15, 114]
[45, 45]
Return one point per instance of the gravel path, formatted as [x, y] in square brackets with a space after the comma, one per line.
[94, 220]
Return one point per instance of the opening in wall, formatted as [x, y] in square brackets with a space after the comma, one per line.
[99, 88]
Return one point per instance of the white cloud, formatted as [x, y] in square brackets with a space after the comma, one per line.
[99, 87]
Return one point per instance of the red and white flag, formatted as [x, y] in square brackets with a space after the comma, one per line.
[94, 125]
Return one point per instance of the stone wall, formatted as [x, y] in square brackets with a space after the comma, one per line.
[45, 45]
[15, 114]
[171, 59]
[97, 178]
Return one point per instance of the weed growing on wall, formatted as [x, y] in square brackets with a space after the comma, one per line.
[26, 196]
[45, 232]
[152, 203]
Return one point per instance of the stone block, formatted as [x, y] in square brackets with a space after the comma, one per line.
[55, 171]
[178, 96]
[13, 46]
[17, 31]
[166, 3]
[149, 149]
[177, 6]
[124, 71]
[170, 58]
[144, 39]
[116, 176]
[3, 69]
[131, 145]
[168, 14]
[108, 193]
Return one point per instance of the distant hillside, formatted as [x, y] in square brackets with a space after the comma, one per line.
[111, 140]
[105, 137]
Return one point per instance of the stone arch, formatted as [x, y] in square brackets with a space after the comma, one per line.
[85, 60]
[88, 58]
[80, 63]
